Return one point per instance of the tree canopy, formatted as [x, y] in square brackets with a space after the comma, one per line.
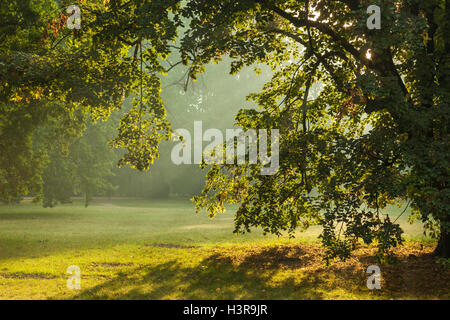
[376, 132]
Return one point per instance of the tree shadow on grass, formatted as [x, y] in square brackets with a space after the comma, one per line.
[37, 216]
[214, 278]
[281, 272]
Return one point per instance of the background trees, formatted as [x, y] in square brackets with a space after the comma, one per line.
[56, 140]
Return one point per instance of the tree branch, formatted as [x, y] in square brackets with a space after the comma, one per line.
[300, 22]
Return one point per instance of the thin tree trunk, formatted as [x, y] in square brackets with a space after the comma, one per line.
[443, 246]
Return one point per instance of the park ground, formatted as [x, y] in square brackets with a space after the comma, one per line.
[161, 249]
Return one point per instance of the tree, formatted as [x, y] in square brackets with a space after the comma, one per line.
[376, 133]
[83, 166]
[56, 76]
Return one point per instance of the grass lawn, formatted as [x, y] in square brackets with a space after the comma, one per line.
[160, 249]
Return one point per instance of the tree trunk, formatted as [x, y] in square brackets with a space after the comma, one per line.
[443, 247]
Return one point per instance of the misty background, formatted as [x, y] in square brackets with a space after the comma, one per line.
[87, 167]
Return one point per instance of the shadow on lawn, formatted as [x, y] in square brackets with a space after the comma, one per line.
[37, 216]
[256, 275]
[214, 278]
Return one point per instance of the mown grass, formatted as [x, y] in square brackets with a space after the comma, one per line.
[142, 249]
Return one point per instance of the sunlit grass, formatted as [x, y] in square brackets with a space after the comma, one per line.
[142, 249]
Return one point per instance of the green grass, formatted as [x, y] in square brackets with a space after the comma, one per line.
[160, 249]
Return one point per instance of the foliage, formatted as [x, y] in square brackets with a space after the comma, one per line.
[376, 133]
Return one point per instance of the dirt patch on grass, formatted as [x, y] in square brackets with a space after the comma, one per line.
[170, 246]
[111, 264]
[17, 275]
[204, 226]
